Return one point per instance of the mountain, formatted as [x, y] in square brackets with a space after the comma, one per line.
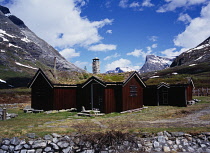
[155, 63]
[199, 54]
[22, 52]
[194, 63]
[121, 70]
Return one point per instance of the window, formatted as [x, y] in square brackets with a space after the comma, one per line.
[133, 91]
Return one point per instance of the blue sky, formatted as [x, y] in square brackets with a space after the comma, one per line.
[118, 32]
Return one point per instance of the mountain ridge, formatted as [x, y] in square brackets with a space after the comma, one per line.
[22, 52]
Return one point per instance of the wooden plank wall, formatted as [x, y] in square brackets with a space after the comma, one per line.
[64, 98]
[134, 102]
[110, 101]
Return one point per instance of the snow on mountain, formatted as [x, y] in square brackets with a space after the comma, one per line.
[155, 63]
[198, 54]
[121, 70]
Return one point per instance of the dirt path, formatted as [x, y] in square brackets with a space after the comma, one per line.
[191, 120]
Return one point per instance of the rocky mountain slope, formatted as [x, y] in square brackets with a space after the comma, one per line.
[199, 54]
[155, 63]
[22, 52]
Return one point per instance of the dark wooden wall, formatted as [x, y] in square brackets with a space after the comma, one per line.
[177, 96]
[42, 94]
[132, 102]
[64, 98]
[150, 96]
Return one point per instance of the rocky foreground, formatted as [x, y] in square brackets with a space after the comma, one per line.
[113, 141]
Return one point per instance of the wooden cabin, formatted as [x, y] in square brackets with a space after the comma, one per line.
[97, 92]
[171, 92]
[45, 95]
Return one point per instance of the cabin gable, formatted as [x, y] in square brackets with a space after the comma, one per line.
[132, 94]
[42, 92]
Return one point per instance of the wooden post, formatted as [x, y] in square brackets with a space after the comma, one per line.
[4, 114]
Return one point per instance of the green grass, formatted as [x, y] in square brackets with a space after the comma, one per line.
[66, 122]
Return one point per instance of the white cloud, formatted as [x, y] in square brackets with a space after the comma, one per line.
[121, 63]
[59, 22]
[136, 53]
[140, 52]
[154, 45]
[102, 47]
[112, 56]
[123, 3]
[172, 52]
[109, 31]
[174, 4]
[147, 3]
[197, 30]
[69, 53]
[134, 4]
[81, 64]
[184, 18]
[118, 63]
[153, 38]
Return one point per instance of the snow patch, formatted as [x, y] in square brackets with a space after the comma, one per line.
[2, 81]
[5, 33]
[199, 58]
[11, 45]
[154, 77]
[25, 39]
[2, 36]
[27, 66]
[174, 73]
[2, 51]
[192, 64]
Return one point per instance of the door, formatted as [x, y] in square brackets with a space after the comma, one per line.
[163, 96]
[97, 97]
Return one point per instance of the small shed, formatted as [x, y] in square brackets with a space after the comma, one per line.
[46, 95]
[173, 92]
[105, 92]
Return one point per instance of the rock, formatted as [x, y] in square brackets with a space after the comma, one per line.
[166, 149]
[206, 133]
[67, 150]
[48, 137]
[177, 141]
[18, 147]
[55, 135]
[31, 151]
[63, 144]
[27, 146]
[4, 147]
[6, 142]
[170, 142]
[161, 139]
[177, 134]
[24, 151]
[54, 146]
[48, 149]
[160, 133]
[167, 134]
[38, 151]
[39, 144]
[156, 144]
[31, 135]
[190, 149]
[15, 141]
[11, 148]
[55, 140]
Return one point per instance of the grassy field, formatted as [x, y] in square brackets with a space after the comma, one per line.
[67, 123]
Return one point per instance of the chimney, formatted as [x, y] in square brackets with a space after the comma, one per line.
[55, 71]
[96, 66]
